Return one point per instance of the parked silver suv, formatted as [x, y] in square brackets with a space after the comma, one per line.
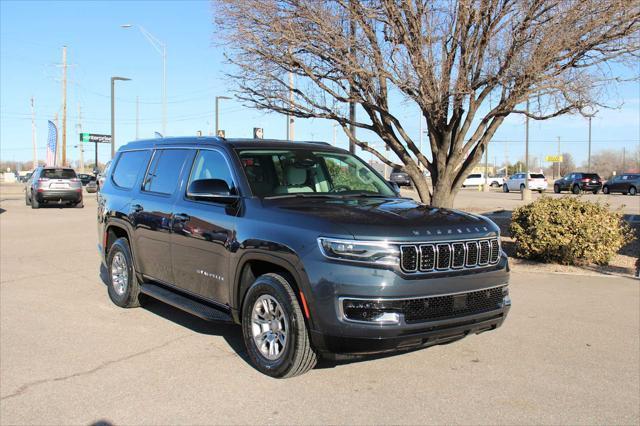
[53, 184]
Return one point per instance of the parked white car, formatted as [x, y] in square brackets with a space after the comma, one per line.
[477, 179]
[537, 182]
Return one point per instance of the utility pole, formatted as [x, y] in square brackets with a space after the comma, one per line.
[335, 127]
[290, 126]
[64, 106]
[352, 104]
[559, 157]
[57, 157]
[113, 116]
[218, 111]
[33, 134]
[624, 159]
[526, 193]
[589, 155]
[137, 119]
[485, 187]
[81, 146]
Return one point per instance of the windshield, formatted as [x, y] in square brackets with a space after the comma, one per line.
[301, 172]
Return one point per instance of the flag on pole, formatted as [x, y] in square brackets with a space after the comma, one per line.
[52, 141]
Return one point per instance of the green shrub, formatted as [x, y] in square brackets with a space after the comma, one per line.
[569, 231]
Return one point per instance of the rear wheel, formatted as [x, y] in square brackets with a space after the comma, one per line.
[605, 189]
[26, 198]
[505, 188]
[522, 187]
[595, 191]
[575, 189]
[540, 191]
[124, 288]
[79, 204]
[34, 202]
[633, 190]
[556, 188]
[274, 329]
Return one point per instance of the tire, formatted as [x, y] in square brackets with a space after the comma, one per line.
[495, 185]
[505, 188]
[79, 204]
[522, 187]
[575, 189]
[34, 202]
[26, 199]
[556, 188]
[296, 356]
[605, 190]
[595, 191]
[633, 190]
[540, 191]
[124, 293]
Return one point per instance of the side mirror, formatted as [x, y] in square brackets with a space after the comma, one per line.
[395, 187]
[215, 190]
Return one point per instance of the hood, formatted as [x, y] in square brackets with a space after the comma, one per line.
[392, 219]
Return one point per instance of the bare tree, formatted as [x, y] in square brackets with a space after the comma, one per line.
[449, 58]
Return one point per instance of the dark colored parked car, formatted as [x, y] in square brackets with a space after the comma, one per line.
[303, 244]
[577, 182]
[627, 183]
[53, 185]
[86, 178]
[400, 177]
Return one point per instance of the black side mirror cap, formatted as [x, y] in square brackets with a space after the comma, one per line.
[216, 190]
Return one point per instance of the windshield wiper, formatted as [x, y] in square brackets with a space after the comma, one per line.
[303, 195]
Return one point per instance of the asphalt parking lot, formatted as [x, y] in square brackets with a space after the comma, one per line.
[569, 353]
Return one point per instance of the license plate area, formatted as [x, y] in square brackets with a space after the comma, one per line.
[59, 186]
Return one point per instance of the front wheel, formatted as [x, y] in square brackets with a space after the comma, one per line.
[556, 188]
[633, 190]
[605, 189]
[505, 188]
[274, 329]
[575, 189]
[595, 191]
[522, 187]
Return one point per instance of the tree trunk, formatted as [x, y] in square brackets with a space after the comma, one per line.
[443, 195]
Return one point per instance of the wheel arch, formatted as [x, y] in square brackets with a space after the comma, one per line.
[254, 264]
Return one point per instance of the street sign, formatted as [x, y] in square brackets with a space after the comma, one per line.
[94, 138]
[553, 158]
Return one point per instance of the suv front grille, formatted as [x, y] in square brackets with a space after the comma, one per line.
[449, 255]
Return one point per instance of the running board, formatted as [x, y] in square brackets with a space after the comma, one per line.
[187, 304]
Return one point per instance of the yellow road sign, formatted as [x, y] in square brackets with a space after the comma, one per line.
[553, 158]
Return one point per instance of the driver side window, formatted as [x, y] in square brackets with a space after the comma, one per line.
[211, 165]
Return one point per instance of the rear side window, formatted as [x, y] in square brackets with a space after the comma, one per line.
[58, 174]
[164, 171]
[128, 167]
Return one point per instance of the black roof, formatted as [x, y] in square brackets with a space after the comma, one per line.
[234, 143]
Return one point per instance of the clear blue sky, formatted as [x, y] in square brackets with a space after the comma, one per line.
[32, 35]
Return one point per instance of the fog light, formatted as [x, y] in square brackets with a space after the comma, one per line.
[374, 311]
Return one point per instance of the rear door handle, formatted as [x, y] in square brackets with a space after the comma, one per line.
[136, 208]
[181, 217]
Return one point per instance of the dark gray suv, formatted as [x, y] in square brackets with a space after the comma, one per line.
[303, 244]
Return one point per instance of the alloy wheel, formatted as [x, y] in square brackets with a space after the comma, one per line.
[269, 327]
[119, 273]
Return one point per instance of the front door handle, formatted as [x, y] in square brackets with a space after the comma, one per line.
[136, 208]
[181, 217]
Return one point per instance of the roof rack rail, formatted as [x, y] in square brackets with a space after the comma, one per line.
[318, 142]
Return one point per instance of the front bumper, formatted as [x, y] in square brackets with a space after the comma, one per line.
[333, 332]
[63, 195]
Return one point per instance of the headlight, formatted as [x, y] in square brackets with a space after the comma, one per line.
[375, 252]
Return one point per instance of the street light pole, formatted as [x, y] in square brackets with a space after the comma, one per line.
[526, 193]
[589, 156]
[113, 113]
[218, 110]
[161, 48]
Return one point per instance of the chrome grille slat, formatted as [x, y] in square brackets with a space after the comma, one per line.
[449, 255]
[443, 256]
[427, 257]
